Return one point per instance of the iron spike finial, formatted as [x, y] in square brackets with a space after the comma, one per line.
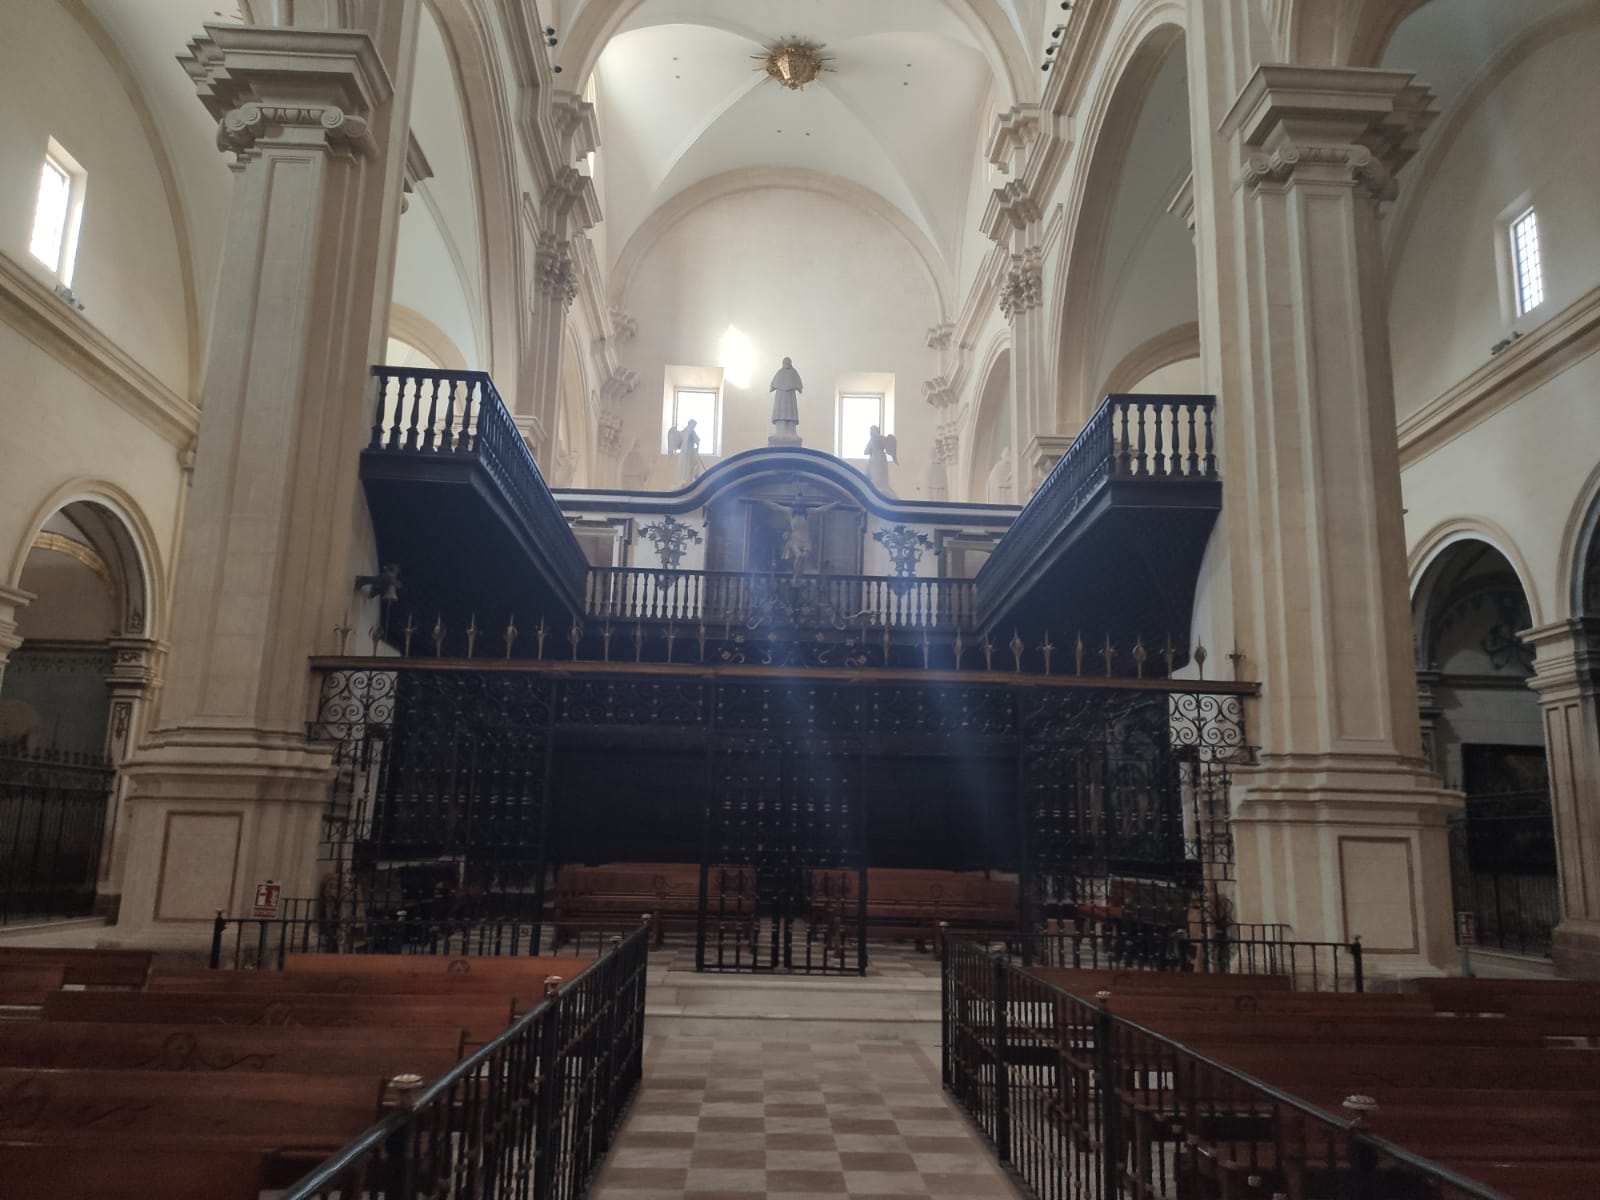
[1199, 657]
[376, 634]
[1170, 654]
[1139, 656]
[438, 635]
[605, 641]
[409, 632]
[574, 636]
[1017, 646]
[1048, 648]
[1077, 655]
[343, 632]
[958, 646]
[472, 634]
[511, 633]
[1109, 653]
[539, 635]
[988, 650]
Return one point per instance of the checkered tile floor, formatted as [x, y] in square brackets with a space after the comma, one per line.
[737, 1120]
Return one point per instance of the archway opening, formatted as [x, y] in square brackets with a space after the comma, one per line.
[62, 723]
[1483, 733]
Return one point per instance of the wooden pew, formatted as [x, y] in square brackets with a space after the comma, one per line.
[275, 983]
[428, 1051]
[255, 1109]
[1086, 981]
[85, 968]
[28, 984]
[623, 892]
[481, 1016]
[428, 966]
[912, 904]
[1371, 1070]
[130, 1172]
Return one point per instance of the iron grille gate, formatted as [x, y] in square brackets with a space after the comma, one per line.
[444, 782]
[783, 876]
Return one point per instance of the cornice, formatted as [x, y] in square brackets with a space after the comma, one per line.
[29, 306]
[1567, 338]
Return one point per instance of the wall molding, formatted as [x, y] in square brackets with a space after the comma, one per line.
[33, 309]
[1567, 338]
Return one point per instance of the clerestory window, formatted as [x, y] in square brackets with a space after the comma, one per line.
[1527, 268]
[57, 212]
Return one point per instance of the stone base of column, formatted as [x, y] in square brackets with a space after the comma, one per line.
[1576, 950]
[1346, 850]
[208, 819]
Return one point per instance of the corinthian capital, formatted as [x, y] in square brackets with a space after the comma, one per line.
[553, 273]
[1023, 288]
[1330, 125]
[294, 87]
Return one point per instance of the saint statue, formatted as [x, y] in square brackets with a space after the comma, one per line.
[685, 443]
[997, 490]
[881, 447]
[786, 388]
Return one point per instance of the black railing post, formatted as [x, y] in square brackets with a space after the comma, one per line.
[1106, 1098]
[1355, 959]
[216, 940]
[1002, 1070]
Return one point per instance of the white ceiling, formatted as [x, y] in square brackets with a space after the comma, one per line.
[681, 100]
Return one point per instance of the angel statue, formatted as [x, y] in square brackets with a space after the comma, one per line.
[799, 546]
[785, 388]
[881, 450]
[685, 443]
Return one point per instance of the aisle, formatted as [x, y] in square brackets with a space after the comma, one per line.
[738, 1120]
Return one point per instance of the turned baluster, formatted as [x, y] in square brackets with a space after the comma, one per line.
[1210, 461]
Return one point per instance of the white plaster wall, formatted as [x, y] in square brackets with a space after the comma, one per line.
[48, 409]
[1526, 135]
[1184, 378]
[1523, 470]
[800, 274]
[55, 82]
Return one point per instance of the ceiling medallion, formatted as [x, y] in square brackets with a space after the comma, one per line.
[794, 62]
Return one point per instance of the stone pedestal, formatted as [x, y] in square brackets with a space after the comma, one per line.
[1341, 829]
[1567, 681]
[227, 791]
[784, 434]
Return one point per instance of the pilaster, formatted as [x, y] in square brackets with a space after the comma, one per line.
[1341, 829]
[12, 602]
[227, 790]
[1567, 681]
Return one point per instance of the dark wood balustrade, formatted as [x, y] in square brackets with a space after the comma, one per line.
[757, 601]
[451, 427]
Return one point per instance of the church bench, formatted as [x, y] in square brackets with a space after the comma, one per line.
[1371, 1070]
[432, 966]
[1297, 1029]
[1539, 1180]
[85, 968]
[908, 903]
[624, 892]
[117, 1046]
[511, 985]
[1086, 981]
[130, 1172]
[265, 1109]
[481, 1016]
[28, 984]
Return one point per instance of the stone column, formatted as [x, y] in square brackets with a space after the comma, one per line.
[134, 679]
[12, 602]
[613, 392]
[1340, 831]
[227, 790]
[1038, 445]
[1567, 681]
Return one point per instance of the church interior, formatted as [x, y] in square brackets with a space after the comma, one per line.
[945, 597]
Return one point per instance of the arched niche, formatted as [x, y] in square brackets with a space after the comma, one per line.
[1483, 731]
[992, 436]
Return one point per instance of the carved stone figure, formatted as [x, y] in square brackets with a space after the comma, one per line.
[635, 470]
[785, 388]
[1001, 478]
[685, 443]
[881, 448]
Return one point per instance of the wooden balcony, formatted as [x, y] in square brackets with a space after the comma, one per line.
[459, 505]
[1110, 545]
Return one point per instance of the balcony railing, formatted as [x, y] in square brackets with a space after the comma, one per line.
[752, 601]
[1153, 439]
[457, 417]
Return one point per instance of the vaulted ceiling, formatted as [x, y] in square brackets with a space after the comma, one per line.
[682, 99]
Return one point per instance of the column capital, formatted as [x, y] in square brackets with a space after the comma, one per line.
[1329, 124]
[1566, 655]
[297, 87]
[553, 275]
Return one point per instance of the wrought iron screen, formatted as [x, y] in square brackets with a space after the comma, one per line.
[52, 818]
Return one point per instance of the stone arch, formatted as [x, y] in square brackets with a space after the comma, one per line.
[1350, 33]
[1175, 345]
[1425, 561]
[421, 333]
[1579, 580]
[1135, 63]
[993, 422]
[121, 537]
